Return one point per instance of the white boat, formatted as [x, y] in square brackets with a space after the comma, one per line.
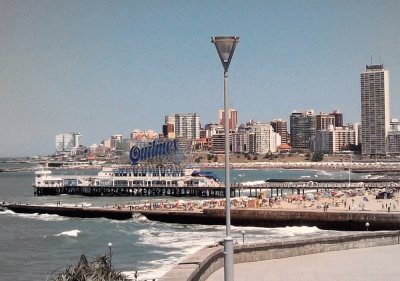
[132, 181]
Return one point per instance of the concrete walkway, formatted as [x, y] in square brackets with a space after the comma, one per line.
[375, 264]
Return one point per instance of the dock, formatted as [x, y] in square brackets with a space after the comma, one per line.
[275, 186]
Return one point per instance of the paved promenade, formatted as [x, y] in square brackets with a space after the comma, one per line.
[375, 264]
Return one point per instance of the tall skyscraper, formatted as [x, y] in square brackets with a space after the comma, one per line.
[233, 119]
[187, 125]
[375, 115]
[302, 129]
[324, 121]
[66, 142]
[280, 127]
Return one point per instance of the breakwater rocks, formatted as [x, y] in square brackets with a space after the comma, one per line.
[334, 220]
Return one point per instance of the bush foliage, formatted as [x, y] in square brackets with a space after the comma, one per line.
[99, 269]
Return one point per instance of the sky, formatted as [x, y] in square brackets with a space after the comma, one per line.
[109, 67]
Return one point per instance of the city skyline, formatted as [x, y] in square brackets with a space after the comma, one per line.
[103, 68]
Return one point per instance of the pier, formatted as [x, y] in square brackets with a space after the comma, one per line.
[277, 187]
[149, 191]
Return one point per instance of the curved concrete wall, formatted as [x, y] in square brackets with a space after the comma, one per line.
[336, 220]
[202, 264]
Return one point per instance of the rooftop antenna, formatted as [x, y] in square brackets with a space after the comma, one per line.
[371, 60]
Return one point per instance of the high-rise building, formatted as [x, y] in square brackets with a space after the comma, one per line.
[212, 129]
[66, 142]
[375, 115]
[334, 139]
[218, 143]
[115, 139]
[280, 127]
[394, 125]
[302, 129]
[240, 142]
[338, 118]
[169, 130]
[263, 139]
[393, 139]
[324, 121]
[233, 119]
[187, 125]
[357, 130]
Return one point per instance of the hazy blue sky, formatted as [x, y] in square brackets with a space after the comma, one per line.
[109, 67]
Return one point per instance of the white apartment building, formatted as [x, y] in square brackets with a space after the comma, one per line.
[187, 125]
[66, 142]
[394, 137]
[334, 140]
[263, 139]
[375, 115]
[212, 129]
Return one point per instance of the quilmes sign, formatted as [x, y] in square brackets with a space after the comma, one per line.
[151, 150]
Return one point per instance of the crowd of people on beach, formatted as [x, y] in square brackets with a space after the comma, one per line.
[328, 165]
[333, 200]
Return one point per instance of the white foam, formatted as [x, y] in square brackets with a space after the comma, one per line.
[181, 241]
[47, 217]
[253, 183]
[7, 212]
[36, 216]
[298, 230]
[144, 232]
[70, 233]
[324, 173]
[139, 217]
[186, 241]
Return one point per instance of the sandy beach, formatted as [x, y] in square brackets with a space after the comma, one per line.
[326, 165]
[334, 200]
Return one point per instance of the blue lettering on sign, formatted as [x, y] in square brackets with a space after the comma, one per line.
[152, 150]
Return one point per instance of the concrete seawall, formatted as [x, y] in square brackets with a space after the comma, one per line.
[335, 220]
[202, 264]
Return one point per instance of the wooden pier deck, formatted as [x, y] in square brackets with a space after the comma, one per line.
[276, 186]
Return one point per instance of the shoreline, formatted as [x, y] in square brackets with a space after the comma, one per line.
[331, 166]
[337, 213]
[295, 165]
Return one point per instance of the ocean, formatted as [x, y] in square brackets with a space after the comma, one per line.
[33, 246]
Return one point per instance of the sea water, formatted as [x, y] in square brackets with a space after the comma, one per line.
[33, 246]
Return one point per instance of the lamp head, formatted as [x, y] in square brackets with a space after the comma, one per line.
[225, 47]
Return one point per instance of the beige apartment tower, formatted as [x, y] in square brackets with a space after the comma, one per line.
[375, 112]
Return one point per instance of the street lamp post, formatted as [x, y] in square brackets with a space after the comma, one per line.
[243, 232]
[109, 248]
[225, 47]
[367, 225]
